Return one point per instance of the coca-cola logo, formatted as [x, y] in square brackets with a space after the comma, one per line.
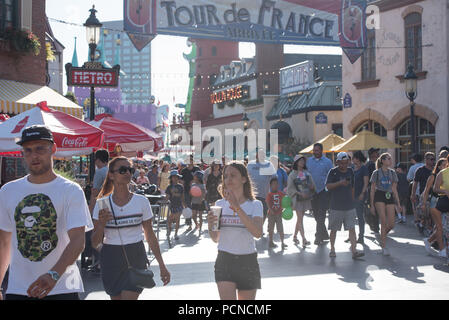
[79, 142]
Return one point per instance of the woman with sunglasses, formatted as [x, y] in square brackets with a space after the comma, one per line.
[132, 221]
[384, 198]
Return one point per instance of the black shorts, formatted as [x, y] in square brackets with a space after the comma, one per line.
[380, 196]
[198, 207]
[176, 210]
[443, 204]
[55, 297]
[114, 269]
[243, 270]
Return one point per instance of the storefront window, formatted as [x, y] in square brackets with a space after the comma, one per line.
[373, 126]
[425, 143]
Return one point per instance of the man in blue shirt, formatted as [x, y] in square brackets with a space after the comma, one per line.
[260, 172]
[319, 166]
[281, 173]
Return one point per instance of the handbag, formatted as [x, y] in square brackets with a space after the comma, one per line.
[310, 194]
[141, 278]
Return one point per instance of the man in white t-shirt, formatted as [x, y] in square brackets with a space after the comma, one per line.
[43, 219]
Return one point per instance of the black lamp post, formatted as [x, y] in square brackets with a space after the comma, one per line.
[411, 91]
[93, 28]
[245, 120]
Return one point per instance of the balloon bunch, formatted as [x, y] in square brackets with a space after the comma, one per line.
[286, 203]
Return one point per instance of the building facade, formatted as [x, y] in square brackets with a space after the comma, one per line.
[411, 31]
[135, 85]
[131, 100]
[24, 15]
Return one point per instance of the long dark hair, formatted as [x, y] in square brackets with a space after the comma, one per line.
[248, 190]
[108, 185]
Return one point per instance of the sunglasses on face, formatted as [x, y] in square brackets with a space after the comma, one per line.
[123, 170]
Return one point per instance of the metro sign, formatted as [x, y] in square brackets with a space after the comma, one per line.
[92, 76]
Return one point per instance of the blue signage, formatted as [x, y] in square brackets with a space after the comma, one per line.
[321, 118]
[347, 101]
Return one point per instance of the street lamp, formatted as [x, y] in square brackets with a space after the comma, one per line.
[245, 120]
[93, 27]
[266, 86]
[411, 91]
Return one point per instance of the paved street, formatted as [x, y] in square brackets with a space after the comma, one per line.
[409, 273]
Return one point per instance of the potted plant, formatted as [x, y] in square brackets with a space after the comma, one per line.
[23, 41]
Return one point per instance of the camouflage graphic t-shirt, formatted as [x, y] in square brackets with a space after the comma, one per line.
[39, 217]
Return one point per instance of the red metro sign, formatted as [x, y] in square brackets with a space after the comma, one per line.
[92, 77]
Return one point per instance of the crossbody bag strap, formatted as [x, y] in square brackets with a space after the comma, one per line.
[116, 224]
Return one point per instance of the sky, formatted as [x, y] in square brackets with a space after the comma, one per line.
[169, 69]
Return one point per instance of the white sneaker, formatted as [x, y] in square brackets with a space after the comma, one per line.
[443, 253]
[385, 252]
[428, 247]
[404, 219]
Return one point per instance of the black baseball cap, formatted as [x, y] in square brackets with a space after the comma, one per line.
[36, 132]
[372, 150]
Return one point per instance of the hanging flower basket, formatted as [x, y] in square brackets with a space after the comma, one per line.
[23, 41]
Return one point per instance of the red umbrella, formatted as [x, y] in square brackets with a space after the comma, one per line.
[3, 117]
[131, 137]
[72, 135]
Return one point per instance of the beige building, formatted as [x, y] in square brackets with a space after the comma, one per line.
[411, 31]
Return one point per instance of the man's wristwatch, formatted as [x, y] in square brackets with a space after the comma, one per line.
[54, 275]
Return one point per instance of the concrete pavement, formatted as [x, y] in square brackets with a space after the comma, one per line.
[297, 273]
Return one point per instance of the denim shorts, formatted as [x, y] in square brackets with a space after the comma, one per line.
[243, 270]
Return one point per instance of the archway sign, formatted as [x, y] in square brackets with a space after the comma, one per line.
[302, 22]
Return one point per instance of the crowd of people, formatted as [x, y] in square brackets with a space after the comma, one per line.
[44, 216]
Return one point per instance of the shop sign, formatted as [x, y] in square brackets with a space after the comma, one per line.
[321, 118]
[230, 95]
[347, 101]
[298, 77]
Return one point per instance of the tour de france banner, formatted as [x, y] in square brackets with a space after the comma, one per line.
[301, 22]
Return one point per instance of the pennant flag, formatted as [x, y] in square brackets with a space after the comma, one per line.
[353, 28]
[140, 21]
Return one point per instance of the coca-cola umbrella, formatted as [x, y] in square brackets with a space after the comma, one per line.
[131, 137]
[72, 135]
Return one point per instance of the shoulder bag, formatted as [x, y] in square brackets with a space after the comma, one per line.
[141, 278]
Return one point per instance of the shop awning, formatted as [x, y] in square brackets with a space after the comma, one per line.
[17, 97]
